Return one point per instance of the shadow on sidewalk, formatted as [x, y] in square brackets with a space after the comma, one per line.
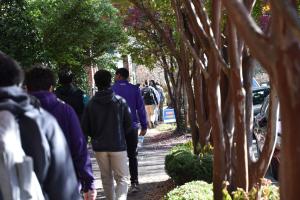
[149, 191]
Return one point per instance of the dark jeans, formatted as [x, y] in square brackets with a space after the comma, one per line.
[132, 140]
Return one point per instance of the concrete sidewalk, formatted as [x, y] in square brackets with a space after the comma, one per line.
[151, 167]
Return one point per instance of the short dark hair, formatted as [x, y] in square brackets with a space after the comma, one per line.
[39, 78]
[123, 72]
[11, 72]
[65, 76]
[102, 79]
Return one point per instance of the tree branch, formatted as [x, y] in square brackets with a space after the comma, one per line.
[160, 28]
[201, 13]
[180, 26]
[289, 13]
[260, 45]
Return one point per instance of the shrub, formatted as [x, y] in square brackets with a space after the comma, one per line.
[195, 190]
[264, 190]
[183, 166]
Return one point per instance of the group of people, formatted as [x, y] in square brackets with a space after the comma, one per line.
[54, 128]
[153, 97]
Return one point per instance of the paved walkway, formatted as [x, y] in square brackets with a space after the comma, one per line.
[151, 166]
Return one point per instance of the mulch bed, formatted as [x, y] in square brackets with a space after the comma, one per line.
[160, 190]
[167, 139]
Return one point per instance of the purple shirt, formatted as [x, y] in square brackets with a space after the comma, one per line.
[132, 95]
[69, 123]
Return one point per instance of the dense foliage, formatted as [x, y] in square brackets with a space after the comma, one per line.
[59, 34]
[263, 191]
[19, 37]
[200, 190]
[183, 166]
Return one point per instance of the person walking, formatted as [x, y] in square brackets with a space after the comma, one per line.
[150, 101]
[162, 99]
[131, 93]
[158, 97]
[41, 137]
[69, 93]
[107, 120]
[40, 83]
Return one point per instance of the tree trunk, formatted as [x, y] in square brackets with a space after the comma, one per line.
[240, 141]
[215, 107]
[174, 91]
[259, 168]
[288, 84]
[200, 107]
[179, 108]
[248, 70]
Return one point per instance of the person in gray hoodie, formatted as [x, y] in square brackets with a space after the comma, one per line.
[107, 119]
[41, 137]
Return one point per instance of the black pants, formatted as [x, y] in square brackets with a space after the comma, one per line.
[131, 141]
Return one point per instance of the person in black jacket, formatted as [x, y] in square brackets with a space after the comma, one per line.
[106, 120]
[69, 93]
[41, 136]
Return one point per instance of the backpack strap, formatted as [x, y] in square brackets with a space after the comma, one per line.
[18, 180]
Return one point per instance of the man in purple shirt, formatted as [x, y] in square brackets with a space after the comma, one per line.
[132, 95]
[40, 82]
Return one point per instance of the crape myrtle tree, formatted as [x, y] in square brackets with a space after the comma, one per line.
[225, 67]
[230, 71]
[147, 48]
[162, 19]
[278, 51]
[228, 38]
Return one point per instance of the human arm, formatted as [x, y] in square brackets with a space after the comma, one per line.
[61, 169]
[85, 122]
[155, 96]
[141, 111]
[79, 152]
[127, 121]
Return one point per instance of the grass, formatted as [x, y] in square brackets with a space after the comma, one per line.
[166, 127]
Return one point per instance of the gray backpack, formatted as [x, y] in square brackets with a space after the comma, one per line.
[18, 180]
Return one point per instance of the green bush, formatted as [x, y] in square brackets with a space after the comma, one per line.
[264, 190]
[200, 190]
[195, 190]
[183, 166]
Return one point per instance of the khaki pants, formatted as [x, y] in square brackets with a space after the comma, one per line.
[113, 165]
[150, 114]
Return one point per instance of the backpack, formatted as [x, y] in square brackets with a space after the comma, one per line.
[75, 98]
[148, 96]
[18, 180]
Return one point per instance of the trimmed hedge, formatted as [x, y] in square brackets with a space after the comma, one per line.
[195, 190]
[183, 166]
[200, 190]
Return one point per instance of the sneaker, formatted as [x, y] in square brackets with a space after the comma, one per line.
[134, 188]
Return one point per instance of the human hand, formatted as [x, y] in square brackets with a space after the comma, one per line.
[143, 132]
[90, 195]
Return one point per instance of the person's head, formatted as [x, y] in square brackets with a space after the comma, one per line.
[121, 74]
[152, 83]
[65, 76]
[146, 83]
[10, 71]
[102, 79]
[39, 78]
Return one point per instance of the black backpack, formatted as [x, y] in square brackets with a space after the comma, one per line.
[148, 96]
[73, 97]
